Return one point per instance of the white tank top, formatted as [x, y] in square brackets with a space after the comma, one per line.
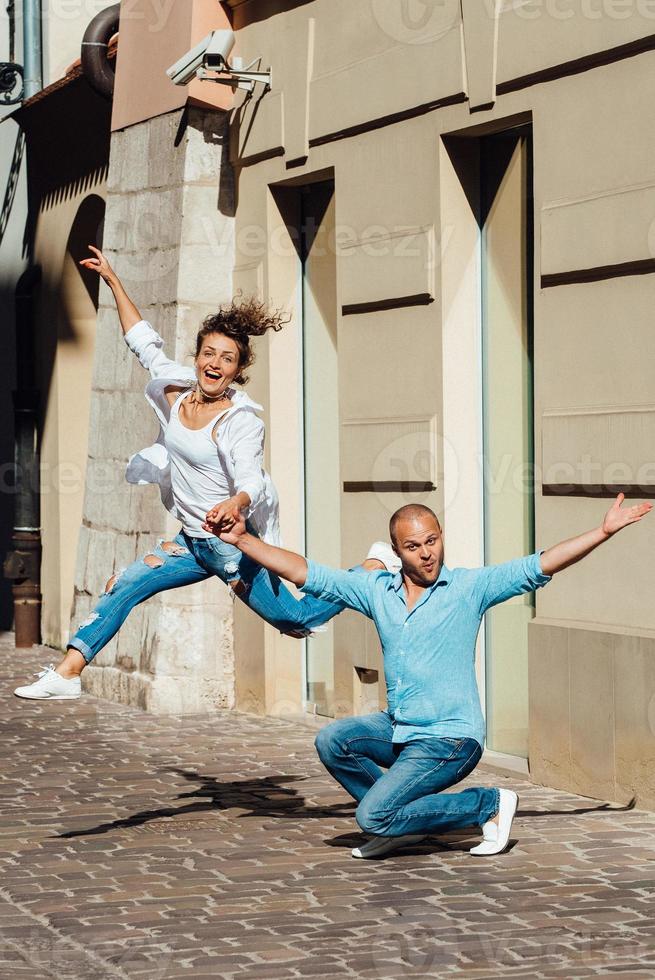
[197, 477]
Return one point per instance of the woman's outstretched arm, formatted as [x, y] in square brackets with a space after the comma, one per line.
[144, 342]
[127, 311]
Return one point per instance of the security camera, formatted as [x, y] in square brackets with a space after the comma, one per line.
[209, 58]
[218, 50]
[212, 51]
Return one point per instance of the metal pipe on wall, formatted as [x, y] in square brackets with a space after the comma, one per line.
[23, 564]
[32, 32]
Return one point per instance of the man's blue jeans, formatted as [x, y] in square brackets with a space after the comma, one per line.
[184, 561]
[409, 797]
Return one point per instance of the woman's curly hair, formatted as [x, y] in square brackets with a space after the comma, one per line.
[240, 321]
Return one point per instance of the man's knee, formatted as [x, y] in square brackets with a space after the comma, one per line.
[328, 744]
[372, 820]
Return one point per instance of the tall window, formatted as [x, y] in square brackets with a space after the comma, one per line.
[508, 422]
[321, 417]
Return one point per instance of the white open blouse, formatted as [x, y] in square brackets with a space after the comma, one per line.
[240, 448]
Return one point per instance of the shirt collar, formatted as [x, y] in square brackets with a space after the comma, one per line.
[444, 579]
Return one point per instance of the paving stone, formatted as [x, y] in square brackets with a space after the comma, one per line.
[215, 845]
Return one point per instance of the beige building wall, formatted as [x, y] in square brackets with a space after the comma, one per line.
[67, 139]
[363, 94]
[66, 173]
[68, 305]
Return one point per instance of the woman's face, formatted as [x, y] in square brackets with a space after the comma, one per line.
[217, 364]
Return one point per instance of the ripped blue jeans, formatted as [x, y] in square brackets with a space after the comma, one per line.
[186, 560]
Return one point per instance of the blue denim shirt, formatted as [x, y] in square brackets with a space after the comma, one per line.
[429, 653]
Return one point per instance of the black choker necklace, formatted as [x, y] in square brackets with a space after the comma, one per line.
[203, 397]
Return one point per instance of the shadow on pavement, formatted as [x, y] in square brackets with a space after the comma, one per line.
[265, 797]
[271, 796]
[432, 845]
[460, 840]
[602, 807]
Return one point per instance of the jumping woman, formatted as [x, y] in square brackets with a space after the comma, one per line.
[209, 458]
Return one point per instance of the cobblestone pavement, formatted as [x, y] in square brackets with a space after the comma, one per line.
[216, 846]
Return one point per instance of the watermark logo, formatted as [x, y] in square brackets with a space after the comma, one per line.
[416, 21]
[155, 13]
[423, 945]
[64, 957]
[409, 462]
[590, 10]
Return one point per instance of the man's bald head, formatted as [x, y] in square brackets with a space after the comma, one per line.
[410, 512]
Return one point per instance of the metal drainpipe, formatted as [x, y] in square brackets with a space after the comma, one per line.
[96, 67]
[23, 564]
[32, 47]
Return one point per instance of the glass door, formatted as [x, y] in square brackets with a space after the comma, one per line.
[508, 423]
[321, 418]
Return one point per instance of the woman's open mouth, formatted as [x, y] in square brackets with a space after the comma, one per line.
[212, 376]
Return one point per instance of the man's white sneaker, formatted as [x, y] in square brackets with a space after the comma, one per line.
[377, 846]
[495, 836]
[382, 551]
[51, 686]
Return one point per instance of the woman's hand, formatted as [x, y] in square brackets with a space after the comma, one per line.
[236, 532]
[618, 517]
[230, 527]
[128, 313]
[223, 516]
[98, 263]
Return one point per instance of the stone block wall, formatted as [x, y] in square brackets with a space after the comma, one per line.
[169, 235]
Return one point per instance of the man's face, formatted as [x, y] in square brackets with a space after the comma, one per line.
[419, 545]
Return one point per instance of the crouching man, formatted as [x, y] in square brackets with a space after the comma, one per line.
[397, 763]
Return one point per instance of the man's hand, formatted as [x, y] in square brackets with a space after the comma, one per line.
[230, 528]
[618, 517]
[222, 517]
[569, 552]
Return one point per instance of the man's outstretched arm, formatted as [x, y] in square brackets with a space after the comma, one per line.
[319, 581]
[496, 583]
[573, 549]
[287, 564]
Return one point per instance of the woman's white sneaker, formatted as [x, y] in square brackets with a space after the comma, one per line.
[382, 551]
[495, 836]
[51, 686]
[377, 846]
